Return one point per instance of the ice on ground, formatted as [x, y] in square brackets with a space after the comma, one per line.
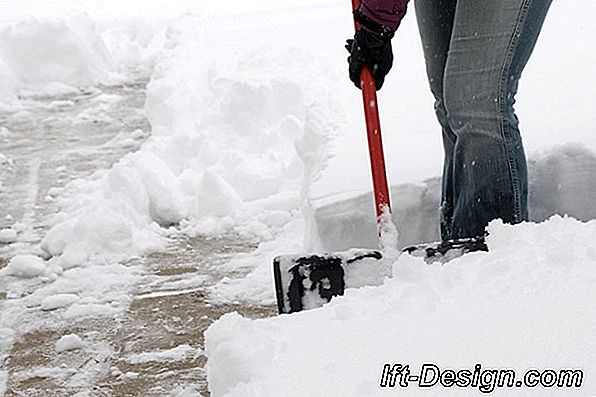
[68, 343]
[182, 352]
[8, 236]
[527, 303]
[25, 266]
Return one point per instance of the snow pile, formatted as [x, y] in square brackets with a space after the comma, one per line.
[68, 343]
[24, 266]
[238, 139]
[528, 303]
[42, 50]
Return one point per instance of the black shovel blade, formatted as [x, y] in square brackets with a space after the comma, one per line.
[305, 282]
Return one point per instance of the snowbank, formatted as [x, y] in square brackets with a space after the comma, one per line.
[237, 142]
[562, 181]
[43, 50]
[528, 303]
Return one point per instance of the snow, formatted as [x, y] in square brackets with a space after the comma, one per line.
[240, 146]
[66, 295]
[181, 391]
[3, 382]
[9, 86]
[24, 266]
[562, 181]
[209, 165]
[388, 234]
[527, 303]
[90, 310]
[42, 51]
[133, 42]
[257, 132]
[55, 48]
[8, 236]
[177, 353]
[250, 135]
[68, 343]
[59, 301]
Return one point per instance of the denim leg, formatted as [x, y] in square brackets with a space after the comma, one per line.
[485, 174]
[435, 23]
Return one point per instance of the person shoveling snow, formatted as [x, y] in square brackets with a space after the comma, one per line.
[475, 54]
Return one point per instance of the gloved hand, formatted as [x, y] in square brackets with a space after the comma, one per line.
[368, 48]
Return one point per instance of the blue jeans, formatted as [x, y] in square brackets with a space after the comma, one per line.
[475, 52]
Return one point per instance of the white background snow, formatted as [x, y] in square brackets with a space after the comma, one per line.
[255, 127]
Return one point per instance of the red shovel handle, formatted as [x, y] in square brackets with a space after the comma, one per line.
[373, 128]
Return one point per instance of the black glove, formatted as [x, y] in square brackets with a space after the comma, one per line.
[368, 48]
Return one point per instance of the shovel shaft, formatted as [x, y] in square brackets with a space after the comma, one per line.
[373, 128]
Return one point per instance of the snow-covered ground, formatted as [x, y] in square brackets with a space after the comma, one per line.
[258, 133]
[529, 303]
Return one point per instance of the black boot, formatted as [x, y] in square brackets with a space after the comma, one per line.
[446, 250]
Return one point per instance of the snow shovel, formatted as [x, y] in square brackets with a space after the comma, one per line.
[308, 281]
